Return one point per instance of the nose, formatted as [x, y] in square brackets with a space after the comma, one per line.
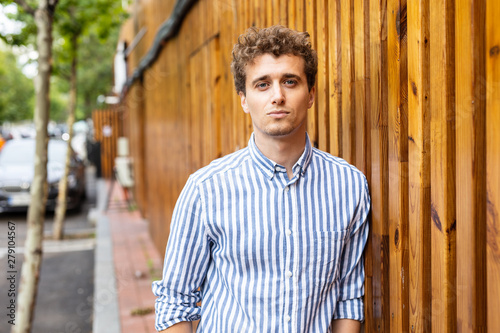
[278, 96]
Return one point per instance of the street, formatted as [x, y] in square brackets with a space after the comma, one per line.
[64, 302]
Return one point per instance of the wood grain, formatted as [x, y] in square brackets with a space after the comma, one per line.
[348, 107]
[443, 169]
[419, 213]
[379, 185]
[410, 100]
[493, 160]
[398, 165]
[470, 159]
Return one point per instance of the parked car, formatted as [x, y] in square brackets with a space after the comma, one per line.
[17, 170]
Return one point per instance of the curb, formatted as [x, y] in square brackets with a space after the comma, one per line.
[105, 307]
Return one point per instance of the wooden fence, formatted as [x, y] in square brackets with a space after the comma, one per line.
[108, 127]
[408, 91]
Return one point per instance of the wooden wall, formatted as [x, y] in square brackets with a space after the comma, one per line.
[408, 91]
[108, 125]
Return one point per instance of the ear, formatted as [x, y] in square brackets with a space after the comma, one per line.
[244, 104]
[312, 93]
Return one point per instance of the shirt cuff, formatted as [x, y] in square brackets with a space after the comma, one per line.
[350, 309]
[169, 314]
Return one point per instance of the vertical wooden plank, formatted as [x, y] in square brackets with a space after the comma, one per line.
[269, 12]
[379, 185]
[259, 10]
[300, 15]
[361, 75]
[248, 13]
[398, 164]
[136, 137]
[204, 114]
[470, 158]
[276, 12]
[248, 125]
[227, 111]
[348, 100]
[492, 163]
[292, 14]
[210, 126]
[322, 91]
[335, 77]
[196, 118]
[443, 192]
[312, 115]
[366, 89]
[241, 120]
[283, 12]
[215, 74]
[419, 166]
[186, 108]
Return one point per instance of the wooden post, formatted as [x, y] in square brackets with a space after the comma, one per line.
[379, 189]
[361, 74]
[443, 170]
[470, 155]
[419, 166]
[398, 164]
[312, 115]
[322, 89]
[335, 77]
[348, 98]
[492, 163]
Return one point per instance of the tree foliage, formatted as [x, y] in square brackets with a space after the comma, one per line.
[96, 23]
[16, 90]
[87, 30]
[95, 70]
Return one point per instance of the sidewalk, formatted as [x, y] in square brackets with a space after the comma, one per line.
[126, 264]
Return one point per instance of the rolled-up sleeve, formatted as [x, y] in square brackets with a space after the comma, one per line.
[186, 260]
[350, 288]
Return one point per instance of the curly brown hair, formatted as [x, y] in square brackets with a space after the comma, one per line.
[277, 40]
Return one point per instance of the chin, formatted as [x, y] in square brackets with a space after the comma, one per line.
[280, 132]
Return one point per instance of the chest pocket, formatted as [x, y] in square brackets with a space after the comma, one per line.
[328, 250]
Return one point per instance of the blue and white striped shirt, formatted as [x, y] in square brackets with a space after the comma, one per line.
[264, 253]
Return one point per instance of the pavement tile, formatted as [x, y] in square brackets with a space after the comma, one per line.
[135, 258]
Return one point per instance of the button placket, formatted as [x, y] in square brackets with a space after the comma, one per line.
[289, 262]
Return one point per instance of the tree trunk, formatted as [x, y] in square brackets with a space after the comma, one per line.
[30, 271]
[58, 227]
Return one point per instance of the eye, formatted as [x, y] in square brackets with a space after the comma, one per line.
[290, 82]
[262, 85]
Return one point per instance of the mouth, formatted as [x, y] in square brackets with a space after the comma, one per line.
[278, 114]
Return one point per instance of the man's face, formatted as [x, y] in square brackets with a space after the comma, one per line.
[277, 96]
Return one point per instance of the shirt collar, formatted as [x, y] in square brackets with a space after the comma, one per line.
[269, 167]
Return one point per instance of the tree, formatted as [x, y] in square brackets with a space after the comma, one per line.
[95, 69]
[73, 20]
[43, 15]
[16, 90]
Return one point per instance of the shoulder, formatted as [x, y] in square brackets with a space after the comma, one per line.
[220, 166]
[347, 173]
[335, 162]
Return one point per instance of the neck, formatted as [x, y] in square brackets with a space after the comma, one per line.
[285, 150]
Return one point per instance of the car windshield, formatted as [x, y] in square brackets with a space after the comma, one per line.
[23, 152]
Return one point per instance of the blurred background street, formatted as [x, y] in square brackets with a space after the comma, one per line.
[67, 305]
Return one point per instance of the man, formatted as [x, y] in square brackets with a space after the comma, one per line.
[271, 237]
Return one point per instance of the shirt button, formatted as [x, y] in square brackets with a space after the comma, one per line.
[287, 188]
[287, 318]
[288, 232]
[289, 274]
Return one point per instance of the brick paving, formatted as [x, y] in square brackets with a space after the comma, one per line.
[137, 264]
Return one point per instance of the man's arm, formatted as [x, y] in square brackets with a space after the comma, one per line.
[187, 257]
[352, 272]
[346, 326]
